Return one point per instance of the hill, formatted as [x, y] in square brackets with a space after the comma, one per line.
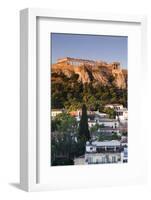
[95, 83]
[98, 72]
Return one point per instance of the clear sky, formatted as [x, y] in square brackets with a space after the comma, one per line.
[95, 47]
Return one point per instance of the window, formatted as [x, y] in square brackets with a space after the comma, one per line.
[103, 159]
[113, 159]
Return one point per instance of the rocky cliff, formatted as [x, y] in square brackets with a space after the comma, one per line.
[100, 73]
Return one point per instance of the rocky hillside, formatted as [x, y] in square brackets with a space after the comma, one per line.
[101, 73]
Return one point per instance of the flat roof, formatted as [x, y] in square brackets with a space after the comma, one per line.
[114, 104]
[123, 109]
[103, 120]
[106, 143]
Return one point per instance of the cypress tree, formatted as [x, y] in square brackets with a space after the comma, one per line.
[84, 133]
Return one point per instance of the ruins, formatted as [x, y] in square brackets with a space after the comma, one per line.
[79, 62]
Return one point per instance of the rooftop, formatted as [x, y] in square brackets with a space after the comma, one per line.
[103, 120]
[122, 110]
[115, 104]
[106, 143]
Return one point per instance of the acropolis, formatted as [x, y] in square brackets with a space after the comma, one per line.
[79, 62]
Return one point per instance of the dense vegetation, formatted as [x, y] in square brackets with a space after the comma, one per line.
[71, 94]
[68, 139]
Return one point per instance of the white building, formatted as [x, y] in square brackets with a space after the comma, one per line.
[124, 155]
[55, 112]
[98, 158]
[96, 145]
[114, 106]
[101, 115]
[124, 141]
[109, 130]
[122, 114]
[99, 152]
[79, 161]
[106, 122]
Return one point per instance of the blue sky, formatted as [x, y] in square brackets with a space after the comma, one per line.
[95, 47]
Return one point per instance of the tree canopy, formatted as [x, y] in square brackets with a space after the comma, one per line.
[71, 94]
[83, 126]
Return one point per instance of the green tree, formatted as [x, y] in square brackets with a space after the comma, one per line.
[66, 124]
[63, 144]
[74, 93]
[94, 128]
[111, 112]
[84, 133]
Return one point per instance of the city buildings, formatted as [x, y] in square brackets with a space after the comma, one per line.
[122, 115]
[104, 122]
[114, 106]
[109, 140]
[102, 152]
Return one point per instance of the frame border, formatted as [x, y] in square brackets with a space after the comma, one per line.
[28, 82]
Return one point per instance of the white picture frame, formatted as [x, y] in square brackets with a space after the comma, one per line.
[29, 83]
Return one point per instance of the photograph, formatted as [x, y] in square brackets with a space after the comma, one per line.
[89, 99]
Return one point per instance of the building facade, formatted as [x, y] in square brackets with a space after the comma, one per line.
[104, 122]
[122, 114]
[101, 152]
[55, 112]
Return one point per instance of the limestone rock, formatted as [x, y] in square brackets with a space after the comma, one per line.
[97, 71]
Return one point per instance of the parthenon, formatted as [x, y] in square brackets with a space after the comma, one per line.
[79, 61]
[75, 61]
